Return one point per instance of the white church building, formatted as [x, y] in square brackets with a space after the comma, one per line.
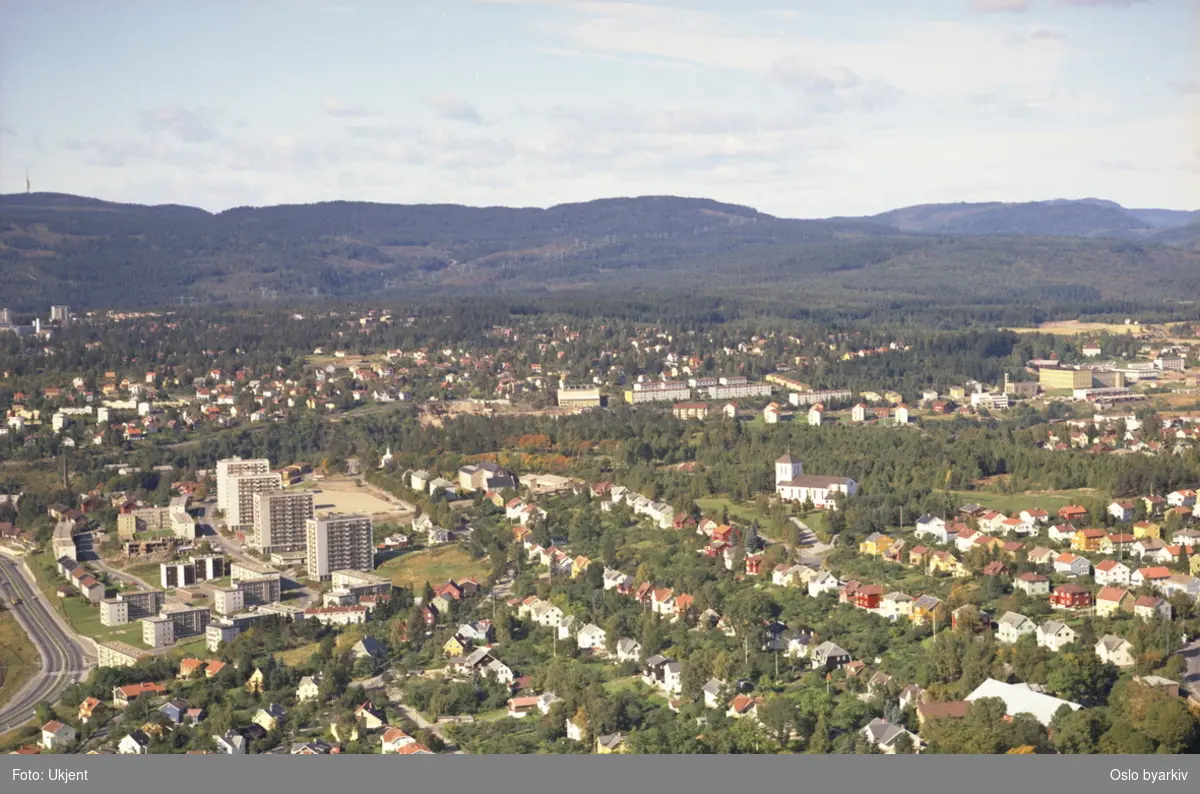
[793, 485]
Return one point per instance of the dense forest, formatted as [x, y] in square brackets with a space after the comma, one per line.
[88, 253]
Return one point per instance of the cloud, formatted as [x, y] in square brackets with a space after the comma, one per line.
[340, 108]
[187, 125]
[1101, 3]
[1048, 34]
[8, 131]
[1000, 6]
[1187, 88]
[454, 109]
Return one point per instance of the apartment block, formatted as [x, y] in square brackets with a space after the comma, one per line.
[238, 483]
[279, 520]
[339, 542]
[114, 612]
[118, 654]
[361, 583]
[227, 600]
[248, 569]
[158, 631]
[188, 621]
[143, 603]
[266, 590]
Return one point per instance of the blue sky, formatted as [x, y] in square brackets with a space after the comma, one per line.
[804, 108]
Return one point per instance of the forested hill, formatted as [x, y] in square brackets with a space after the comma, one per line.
[91, 253]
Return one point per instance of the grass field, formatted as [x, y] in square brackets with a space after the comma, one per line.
[18, 657]
[1074, 327]
[435, 566]
[301, 655]
[1008, 503]
[82, 616]
[737, 511]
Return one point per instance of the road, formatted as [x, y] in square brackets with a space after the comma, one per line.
[1191, 676]
[64, 660]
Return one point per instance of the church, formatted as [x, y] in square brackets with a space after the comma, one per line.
[793, 485]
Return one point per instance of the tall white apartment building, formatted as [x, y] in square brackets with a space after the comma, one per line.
[279, 520]
[339, 542]
[238, 483]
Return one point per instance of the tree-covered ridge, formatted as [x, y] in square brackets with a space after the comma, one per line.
[84, 252]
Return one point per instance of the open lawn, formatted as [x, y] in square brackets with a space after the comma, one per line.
[1075, 327]
[1050, 501]
[738, 511]
[435, 566]
[147, 571]
[301, 655]
[18, 657]
[85, 619]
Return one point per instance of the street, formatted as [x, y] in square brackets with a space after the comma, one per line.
[63, 660]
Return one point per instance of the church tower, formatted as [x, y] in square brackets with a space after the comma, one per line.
[788, 468]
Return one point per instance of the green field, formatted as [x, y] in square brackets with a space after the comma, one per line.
[435, 566]
[737, 511]
[18, 657]
[85, 619]
[1050, 501]
[298, 656]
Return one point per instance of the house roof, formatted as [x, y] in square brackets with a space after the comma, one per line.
[1115, 594]
[954, 709]
[1020, 699]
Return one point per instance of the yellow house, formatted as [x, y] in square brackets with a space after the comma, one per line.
[875, 544]
[944, 562]
[269, 718]
[1194, 564]
[255, 683]
[1088, 539]
[894, 397]
[154, 730]
[923, 609]
[579, 566]
[1147, 529]
[1111, 600]
[455, 647]
[613, 744]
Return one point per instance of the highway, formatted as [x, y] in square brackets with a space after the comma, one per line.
[64, 661]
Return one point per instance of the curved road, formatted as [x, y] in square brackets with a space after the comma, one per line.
[64, 661]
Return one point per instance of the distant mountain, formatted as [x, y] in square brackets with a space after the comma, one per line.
[1058, 218]
[91, 253]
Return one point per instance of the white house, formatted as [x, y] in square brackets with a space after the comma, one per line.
[1116, 650]
[1183, 498]
[932, 528]
[1012, 626]
[56, 735]
[628, 650]
[590, 637]
[135, 743]
[884, 735]
[1053, 635]
[1072, 565]
[1112, 573]
[1121, 511]
[894, 606]
[231, 743]
[823, 582]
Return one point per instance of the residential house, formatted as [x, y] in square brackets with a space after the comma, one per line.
[1150, 608]
[924, 609]
[1070, 596]
[885, 736]
[269, 717]
[57, 735]
[89, 709]
[1072, 565]
[896, 605]
[1112, 600]
[1147, 529]
[628, 650]
[134, 743]
[1012, 626]
[1112, 573]
[744, 706]
[1054, 635]
[309, 688]
[1150, 577]
[230, 743]
[829, 656]
[1115, 650]
[933, 529]
[1032, 584]
[591, 637]
[1088, 539]
[713, 689]
[1121, 511]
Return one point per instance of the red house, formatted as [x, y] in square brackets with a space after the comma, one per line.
[753, 564]
[868, 596]
[1073, 513]
[1071, 596]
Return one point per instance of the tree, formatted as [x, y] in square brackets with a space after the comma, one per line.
[1169, 723]
[904, 744]
[1078, 732]
[778, 715]
[818, 742]
[1082, 677]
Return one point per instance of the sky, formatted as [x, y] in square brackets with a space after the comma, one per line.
[800, 108]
